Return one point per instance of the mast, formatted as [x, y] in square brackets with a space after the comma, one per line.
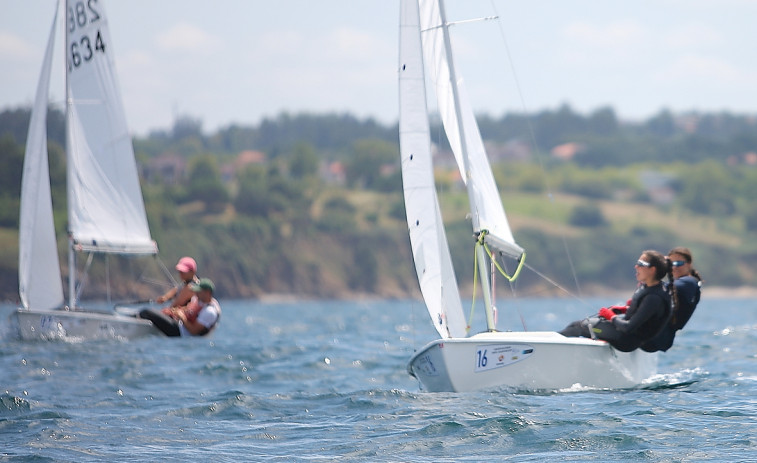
[483, 269]
[68, 103]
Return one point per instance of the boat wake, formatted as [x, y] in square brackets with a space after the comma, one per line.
[675, 380]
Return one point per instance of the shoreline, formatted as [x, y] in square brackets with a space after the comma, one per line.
[717, 292]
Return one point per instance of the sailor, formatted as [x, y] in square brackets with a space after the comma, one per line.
[647, 314]
[688, 285]
[182, 293]
[198, 318]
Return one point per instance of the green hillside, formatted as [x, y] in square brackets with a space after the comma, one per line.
[311, 206]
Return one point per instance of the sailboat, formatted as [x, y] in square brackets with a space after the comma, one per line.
[106, 213]
[457, 362]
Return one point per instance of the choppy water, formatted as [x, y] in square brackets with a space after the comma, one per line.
[313, 381]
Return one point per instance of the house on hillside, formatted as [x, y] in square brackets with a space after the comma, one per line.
[659, 186]
[567, 151]
[243, 159]
[168, 168]
[333, 172]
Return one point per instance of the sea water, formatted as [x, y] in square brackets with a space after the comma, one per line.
[316, 381]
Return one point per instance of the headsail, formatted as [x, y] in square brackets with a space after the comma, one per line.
[428, 240]
[463, 133]
[106, 209]
[39, 278]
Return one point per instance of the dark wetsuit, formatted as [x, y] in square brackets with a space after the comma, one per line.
[646, 316]
[163, 322]
[688, 293]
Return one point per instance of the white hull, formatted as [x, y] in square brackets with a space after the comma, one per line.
[79, 325]
[527, 361]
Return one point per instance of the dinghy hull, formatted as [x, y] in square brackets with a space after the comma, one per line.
[79, 325]
[527, 361]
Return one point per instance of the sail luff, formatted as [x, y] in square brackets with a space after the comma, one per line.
[427, 237]
[40, 285]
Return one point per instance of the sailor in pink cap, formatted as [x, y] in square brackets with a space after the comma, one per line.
[182, 293]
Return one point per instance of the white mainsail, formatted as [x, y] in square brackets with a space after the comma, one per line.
[39, 278]
[462, 131]
[428, 240]
[106, 209]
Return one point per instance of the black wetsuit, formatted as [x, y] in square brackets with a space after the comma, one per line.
[688, 293]
[646, 316]
[164, 323]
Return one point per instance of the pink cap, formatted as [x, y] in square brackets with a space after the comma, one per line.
[186, 264]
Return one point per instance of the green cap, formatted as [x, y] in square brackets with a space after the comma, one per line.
[204, 283]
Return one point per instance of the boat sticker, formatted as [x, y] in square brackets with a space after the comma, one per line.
[426, 366]
[491, 356]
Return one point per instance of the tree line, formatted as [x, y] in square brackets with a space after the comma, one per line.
[283, 226]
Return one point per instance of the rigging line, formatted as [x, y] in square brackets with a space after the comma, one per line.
[514, 292]
[537, 152]
[558, 286]
[448, 24]
[166, 272]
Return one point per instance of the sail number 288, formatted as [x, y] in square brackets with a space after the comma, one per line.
[80, 14]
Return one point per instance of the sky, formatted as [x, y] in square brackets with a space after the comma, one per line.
[240, 61]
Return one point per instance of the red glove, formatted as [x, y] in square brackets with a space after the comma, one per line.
[618, 309]
[604, 312]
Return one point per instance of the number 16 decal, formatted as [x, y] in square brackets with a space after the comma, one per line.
[493, 356]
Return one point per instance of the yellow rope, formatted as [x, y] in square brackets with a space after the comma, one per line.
[480, 242]
[496, 264]
[475, 278]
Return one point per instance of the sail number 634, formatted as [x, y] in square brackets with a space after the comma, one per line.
[85, 49]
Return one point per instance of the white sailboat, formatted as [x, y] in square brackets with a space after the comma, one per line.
[105, 207]
[457, 362]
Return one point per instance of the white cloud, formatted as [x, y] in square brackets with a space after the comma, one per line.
[13, 47]
[698, 68]
[186, 37]
[694, 35]
[617, 35]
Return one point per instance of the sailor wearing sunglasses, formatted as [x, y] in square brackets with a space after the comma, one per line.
[688, 285]
[647, 314]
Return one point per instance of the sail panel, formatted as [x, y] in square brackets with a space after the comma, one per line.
[106, 209]
[40, 285]
[431, 255]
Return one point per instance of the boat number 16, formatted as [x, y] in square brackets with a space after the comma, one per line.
[481, 359]
[491, 356]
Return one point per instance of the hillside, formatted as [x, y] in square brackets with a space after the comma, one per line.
[311, 206]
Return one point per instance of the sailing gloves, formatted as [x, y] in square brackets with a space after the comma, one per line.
[604, 312]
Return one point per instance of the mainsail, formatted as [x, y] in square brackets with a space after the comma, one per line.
[40, 284]
[106, 210]
[428, 240]
[462, 131]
